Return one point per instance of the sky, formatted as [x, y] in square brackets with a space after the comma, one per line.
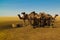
[14, 7]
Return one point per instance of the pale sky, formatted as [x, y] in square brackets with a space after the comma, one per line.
[14, 7]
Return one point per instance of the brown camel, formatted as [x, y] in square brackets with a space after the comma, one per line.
[29, 17]
[41, 19]
[53, 19]
[50, 19]
[24, 17]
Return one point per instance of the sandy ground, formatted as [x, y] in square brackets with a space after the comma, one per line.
[27, 32]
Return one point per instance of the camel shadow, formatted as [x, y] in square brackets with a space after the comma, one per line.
[9, 26]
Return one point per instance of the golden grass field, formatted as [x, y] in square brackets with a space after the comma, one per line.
[27, 32]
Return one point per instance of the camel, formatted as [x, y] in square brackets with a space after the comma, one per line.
[53, 19]
[32, 18]
[41, 19]
[46, 19]
[29, 17]
[24, 17]
[50, 19]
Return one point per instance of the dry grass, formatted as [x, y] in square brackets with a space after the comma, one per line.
[27, 32]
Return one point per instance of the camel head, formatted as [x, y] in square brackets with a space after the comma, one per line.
[19, 16]
[42, 14]
[56, 15]
[23, 13]
[33, 12]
